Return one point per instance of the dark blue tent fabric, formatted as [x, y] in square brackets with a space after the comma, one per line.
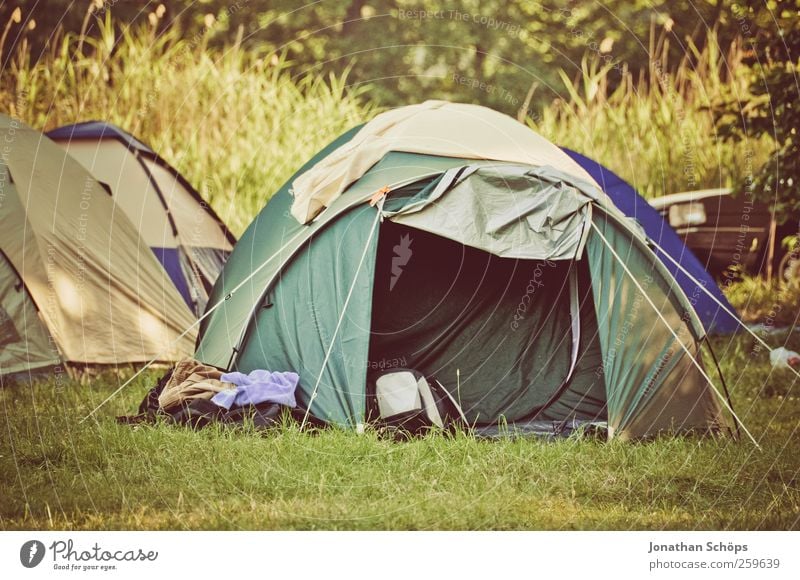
[171, 261]
[714, 319]
[97, 130]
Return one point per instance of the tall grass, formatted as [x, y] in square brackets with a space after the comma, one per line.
[237, 123]
[657, 130]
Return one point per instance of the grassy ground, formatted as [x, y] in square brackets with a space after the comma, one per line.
[58, 473]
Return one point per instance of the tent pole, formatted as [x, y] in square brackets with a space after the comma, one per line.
[378, 216]
[722, 380]
[675, 335]
[720, 304]
[194, 324]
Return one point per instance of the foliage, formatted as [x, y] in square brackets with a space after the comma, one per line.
[237, 123]
[191, 99]
[655, 130]
[404, 48]
[761, 302]
[772, 105]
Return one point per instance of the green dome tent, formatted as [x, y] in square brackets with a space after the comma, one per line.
[77, 284]
[455, 241]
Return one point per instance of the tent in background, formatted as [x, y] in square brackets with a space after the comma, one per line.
[714, 318]
[497, 266]
[77, 284]
[188, 238]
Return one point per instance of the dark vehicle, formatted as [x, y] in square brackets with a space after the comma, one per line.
[730, 233]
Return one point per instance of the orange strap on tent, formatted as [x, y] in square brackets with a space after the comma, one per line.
[376, 197]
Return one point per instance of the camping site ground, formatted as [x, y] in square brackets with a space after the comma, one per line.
[238, 121]
[59, 473]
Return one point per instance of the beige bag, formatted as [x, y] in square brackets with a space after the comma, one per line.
[191, 380]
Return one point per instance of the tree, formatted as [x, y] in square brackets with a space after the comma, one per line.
[772, 30]
[492, 52]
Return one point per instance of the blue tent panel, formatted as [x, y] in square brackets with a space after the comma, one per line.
[171, 261]
[714, 318]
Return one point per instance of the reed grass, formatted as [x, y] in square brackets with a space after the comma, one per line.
[657, 129]
[237, 123]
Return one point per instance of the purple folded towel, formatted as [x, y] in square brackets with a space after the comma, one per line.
[259, 386]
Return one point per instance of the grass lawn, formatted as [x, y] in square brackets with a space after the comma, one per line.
[60, 474]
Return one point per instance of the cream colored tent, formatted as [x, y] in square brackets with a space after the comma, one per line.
[440, 128]
[77, 284]
[190, 241]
